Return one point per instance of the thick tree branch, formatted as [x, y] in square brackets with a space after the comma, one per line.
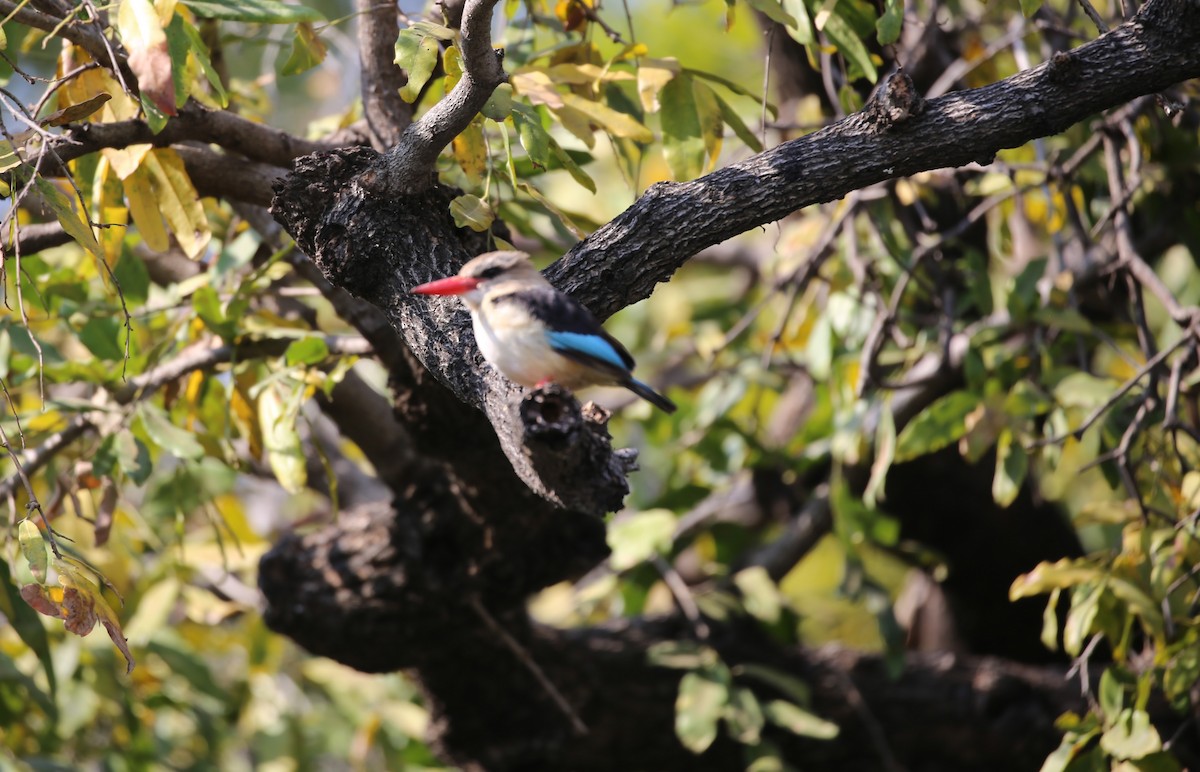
[620, 263]
[410, 164]
[386, 113]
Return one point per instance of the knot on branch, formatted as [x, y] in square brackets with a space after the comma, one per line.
[1063, 68]
[560, 439]
[893, 103]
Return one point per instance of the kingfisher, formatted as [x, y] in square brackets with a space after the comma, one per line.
[534, 334]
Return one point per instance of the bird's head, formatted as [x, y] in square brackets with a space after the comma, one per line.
[482, 274]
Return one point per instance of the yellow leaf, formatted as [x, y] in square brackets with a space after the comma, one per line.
[616, 123]
[109, 201]
[537, 86]
[139, 192]
[470, 150]
[177, 200]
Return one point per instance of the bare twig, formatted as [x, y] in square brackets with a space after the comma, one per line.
[534, 668]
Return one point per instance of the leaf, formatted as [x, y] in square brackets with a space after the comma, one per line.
[1085, 605]
[802, 31]
[263, 11]
[308, 50]
[683, 144]
[567, 222]
[773, 11]
[1012, 464]
[499, 104]
[1030, 7]
[698, 708]
[34, 548]
[1084, 390]
[735, 122]
[744, 716]
[888, 27]
[788, 684]
[417, 55]
[799, 721]
[178, 48]
[470, 150]
[1050, 621]
[1132, 736]
[639, 537]
[760, 595]
[165, 434]
[76, 112]
[885, 454]
[83, 605]
[712, 127]
[74, 223]
[144, 38]
[203, 56]
[1047, 576]
[849, 44]
[614, 122]
[102, 336]
[533, 137]
[307, 351]
[177, 200]
[936, 426]
[652, 75]
[682, 654]
[25, 622]
[472, 212]
[281, 441]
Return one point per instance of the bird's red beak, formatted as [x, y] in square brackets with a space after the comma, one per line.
[454, 285]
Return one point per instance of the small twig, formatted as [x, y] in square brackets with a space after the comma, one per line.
[1094, 16]
[683, 597]
[535, 670]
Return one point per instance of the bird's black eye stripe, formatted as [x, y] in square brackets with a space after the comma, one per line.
[491, 273]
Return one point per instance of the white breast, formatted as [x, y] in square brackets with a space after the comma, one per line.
[515, 345]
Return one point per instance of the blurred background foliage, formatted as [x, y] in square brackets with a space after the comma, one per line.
[788, 349]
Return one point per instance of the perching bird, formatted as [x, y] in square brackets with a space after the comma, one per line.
[534, 334]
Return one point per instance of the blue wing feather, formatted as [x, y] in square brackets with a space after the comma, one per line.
[591, 346]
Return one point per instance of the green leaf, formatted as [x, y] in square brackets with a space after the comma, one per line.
[849, 44]
[308, 50]
[1030, 7]
[639, 537]
[885, 454]
[165, 434]
[684, 655]
[34, 548]
[1085, 605]
[802, 30]
[889, 24]
[744, 716]
[735, 122]
[262, 11]
[760, 595]
[799, 721]
[281, 441]
[712, 127]
[472, 212]
[1047, 576]
[202, 55]
[773, 11]
[69, 216]
[178, 47]
[207, 305]
[417, 55]
[683, 143]
[936, 426]
[1112, 695]
[1132, 736]
[133, 277]
[533, 137]
[28, 627]
[1050, 621]
[499, 104]
[102, 336]
[1084, 390]
[698, 708]
[1012, 464]
[307, 351]
[798, 691]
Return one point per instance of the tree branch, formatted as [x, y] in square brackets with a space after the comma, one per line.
[621, 262]
[386, 113]
[410, 164]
